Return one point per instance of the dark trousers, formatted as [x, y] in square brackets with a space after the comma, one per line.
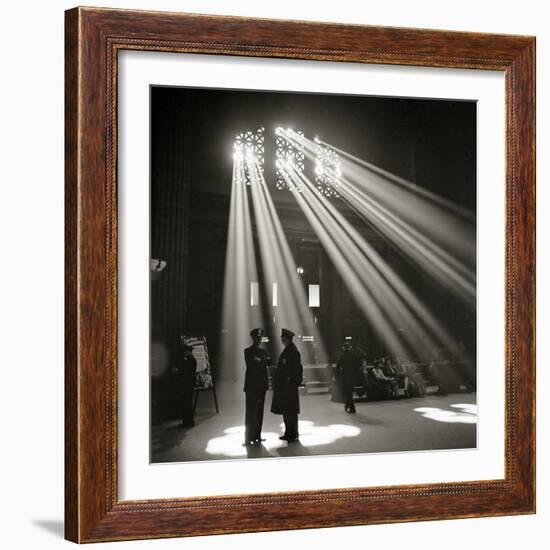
[349, 402]
[291, 425]
[254, 416]
[187, 412]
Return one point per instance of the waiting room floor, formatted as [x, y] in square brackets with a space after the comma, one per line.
[429, 423]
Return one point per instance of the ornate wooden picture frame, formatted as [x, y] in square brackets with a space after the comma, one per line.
[94, 37]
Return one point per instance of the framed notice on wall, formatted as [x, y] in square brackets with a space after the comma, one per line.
[344, 214]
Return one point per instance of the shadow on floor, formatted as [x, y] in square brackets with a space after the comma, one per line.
[171, 435]
[55, 527]
[167, 438]
[292, 449]
[363, 419]
[258, 452]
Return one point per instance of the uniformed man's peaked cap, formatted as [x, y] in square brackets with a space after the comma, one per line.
[287, 333]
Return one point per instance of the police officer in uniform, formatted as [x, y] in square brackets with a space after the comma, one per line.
[185, 380]
[255, 386]
[288, 377]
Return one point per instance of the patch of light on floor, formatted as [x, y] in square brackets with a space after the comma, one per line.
[467, 415]
[231, 443]
[234, 430]
[466, 407]
[344, 430]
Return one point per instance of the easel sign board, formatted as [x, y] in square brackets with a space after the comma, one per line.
[203, 374]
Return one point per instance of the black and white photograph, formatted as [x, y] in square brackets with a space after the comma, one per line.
[313, 274]
[275, 274]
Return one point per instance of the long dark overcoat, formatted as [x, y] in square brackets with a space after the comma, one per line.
[348, 367]
[287, 379]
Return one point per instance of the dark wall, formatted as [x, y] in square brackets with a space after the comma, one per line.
[169, 191]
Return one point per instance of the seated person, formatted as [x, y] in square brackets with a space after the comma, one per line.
[385, 386]
[399, 372]
[416, 386]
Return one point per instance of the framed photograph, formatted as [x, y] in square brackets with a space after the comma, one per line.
[300, 275]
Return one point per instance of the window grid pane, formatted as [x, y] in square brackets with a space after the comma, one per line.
[328, 170]
[249, 146]
[287, 151]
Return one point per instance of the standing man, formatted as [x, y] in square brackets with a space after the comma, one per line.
[185, 372]
[348, 366]
[288, 378]
[255, 386]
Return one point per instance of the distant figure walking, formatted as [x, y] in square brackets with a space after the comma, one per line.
[255, 386]
[288, 378]
[348, 366]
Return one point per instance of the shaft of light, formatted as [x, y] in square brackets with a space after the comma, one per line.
[346, 267]
[391, 298]
[240, 270]
[453, 232]
[388, 284]
[402, 182]
[440, 265]
[446, 262]
[279, 266]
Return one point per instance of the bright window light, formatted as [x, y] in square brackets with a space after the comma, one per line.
[314, 296]
[275, 301]
[247, 148]
[254, 293]
[328, 170]
[288, 152]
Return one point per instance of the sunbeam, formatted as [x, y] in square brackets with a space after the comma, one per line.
[437, 237]
[279, 267]
[240, 270]
[383, 296]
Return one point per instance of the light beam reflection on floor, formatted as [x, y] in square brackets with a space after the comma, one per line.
[231, 442]
[467, 414]
[466, 407]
